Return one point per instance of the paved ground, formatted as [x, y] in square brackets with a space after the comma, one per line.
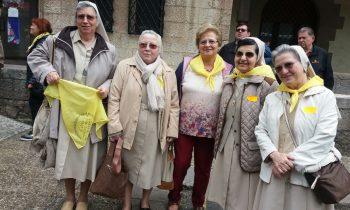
[24, 185]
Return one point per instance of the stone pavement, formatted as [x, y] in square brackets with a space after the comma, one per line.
[24, 185]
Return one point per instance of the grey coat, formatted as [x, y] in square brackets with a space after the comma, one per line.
[258, 87]
[100, 69]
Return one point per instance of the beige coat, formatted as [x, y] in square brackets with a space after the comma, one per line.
[125, 101]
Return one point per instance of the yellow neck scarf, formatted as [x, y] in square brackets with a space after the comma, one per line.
[197, 66]
[264, 70]
[314, 81]
[81, 107]
[37, 38]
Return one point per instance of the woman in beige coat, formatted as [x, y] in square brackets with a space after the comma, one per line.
[84, 55]
[143, 109]
[236, 168]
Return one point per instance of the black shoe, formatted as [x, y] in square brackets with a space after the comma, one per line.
[27, 137]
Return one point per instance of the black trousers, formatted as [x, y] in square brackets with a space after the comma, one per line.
[35, 102]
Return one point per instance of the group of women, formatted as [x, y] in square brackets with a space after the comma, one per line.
[205, 108]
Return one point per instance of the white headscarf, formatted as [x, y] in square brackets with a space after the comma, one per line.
[100, 28]
[304, 60]
[261, 46]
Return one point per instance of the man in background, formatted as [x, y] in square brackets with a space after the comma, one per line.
[319, 58]
[2, 55]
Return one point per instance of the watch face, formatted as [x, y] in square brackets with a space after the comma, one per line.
[315, 61]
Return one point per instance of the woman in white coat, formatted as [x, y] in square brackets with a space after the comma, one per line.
[296, 132]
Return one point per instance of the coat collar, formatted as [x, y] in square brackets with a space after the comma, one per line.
[64, 41]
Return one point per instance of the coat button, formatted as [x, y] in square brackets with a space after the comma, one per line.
[235, 131]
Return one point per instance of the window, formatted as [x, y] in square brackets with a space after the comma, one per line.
[105, 8]
[146, 15]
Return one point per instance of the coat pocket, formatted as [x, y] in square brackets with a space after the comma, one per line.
[253, 146]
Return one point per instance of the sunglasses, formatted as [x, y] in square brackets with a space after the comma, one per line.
[144, 45]
[247, 54]
[83, 16]
[287, 65]
[241, 30]
[210, 41]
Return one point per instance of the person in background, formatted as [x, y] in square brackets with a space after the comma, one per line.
[295, 133]
[228, 51]
[82, 54]
[143, 109]
[2, 55]
[319, 58]
[199, 81]
[39, 29]
[235, 175]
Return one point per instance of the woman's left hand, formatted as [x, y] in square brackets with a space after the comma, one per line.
[103, 92]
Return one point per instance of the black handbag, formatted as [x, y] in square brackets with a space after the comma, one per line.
[331, 183]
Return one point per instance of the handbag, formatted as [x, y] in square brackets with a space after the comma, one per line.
[107, 183]
[167, 182]
[331, 183]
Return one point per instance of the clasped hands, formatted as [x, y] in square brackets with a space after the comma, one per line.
[53, 78]
[281, 163]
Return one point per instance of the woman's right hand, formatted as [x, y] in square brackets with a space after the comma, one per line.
[52, 78]
[281, 163]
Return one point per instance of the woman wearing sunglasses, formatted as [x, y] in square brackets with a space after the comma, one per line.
[143, 109]
[237, 164]
[296, 132]
[199, 81]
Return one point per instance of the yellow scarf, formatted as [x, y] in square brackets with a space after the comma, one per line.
[264, 70]
[314, 81]
[81, 107]
[197, 66]
[37, 38]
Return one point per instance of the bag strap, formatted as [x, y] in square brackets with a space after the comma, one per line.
[53, 50]
[288, 123]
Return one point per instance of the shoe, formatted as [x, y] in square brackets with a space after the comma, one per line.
[199, 208]
[81, 206]
[67, 205]
[27, 137]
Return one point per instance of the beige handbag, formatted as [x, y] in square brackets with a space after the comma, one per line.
[168, 169]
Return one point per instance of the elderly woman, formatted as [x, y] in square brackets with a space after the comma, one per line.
[200, 83]
[143, 109]
[296, 132]
[40, 29]
[82, 54]
[237, 163]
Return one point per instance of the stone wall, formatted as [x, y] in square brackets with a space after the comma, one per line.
[13, 95]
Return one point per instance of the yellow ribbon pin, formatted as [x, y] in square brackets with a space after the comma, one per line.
[252, 98]
[310, 109]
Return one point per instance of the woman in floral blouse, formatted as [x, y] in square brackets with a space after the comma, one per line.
[199, 81]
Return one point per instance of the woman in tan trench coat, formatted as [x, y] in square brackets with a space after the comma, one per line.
[236, 168]
[143, 109]
[84, 55]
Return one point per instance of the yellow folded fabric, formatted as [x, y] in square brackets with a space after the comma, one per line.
[81, 107]
[314, 81]
[264, 70]
[197, 66]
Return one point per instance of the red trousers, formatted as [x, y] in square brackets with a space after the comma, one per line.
[203, 157]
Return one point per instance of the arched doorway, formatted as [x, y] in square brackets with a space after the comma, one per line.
[281, 19]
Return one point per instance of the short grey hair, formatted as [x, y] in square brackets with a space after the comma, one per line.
[159, 38]
[284, 48]
[83, 4]
[309, 31]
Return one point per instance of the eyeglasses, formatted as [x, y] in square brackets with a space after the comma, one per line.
[89, 17]
[247, 54]
[241, 30]
[210, 41]
[144, 45]
[287, 65]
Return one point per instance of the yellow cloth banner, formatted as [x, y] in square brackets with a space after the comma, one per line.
[314, 81]
[264, 70]
[197, 66]
[81, 107]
